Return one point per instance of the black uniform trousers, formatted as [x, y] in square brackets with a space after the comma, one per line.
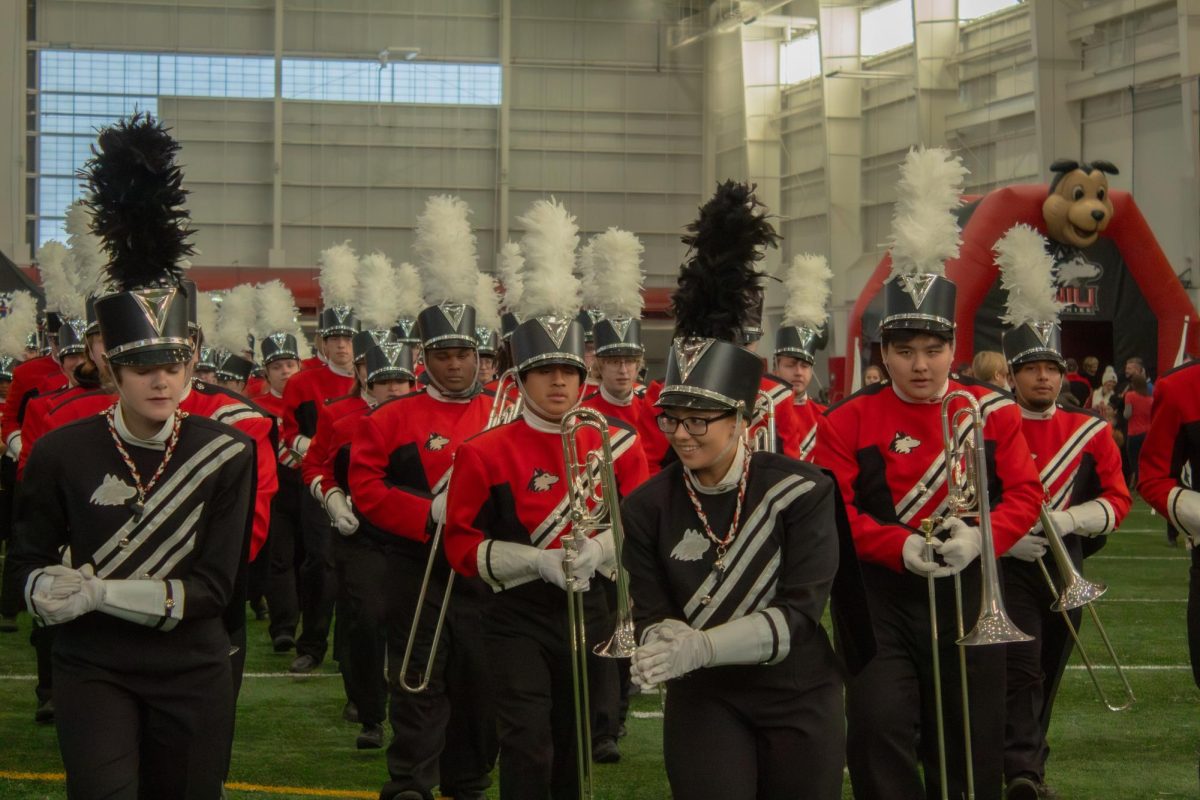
[528, 651]
[318, 579]
[284, 553]
[134, 736]
[11, 594]
[1193, 614]
[1035, 668]
[890, 712]
[444, 736]
[605, 676]
[727, 734]
[362, 624]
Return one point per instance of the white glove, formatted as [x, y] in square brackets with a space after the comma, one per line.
[1029, 547]
[669, 658]
[587, 561]
[961, 548]
[550, 567]
[301, 444]
[87, 597]
[667, 629]
[58, 581]
[340, 513]
[437, 509]
[914, 555]
[1063, 522]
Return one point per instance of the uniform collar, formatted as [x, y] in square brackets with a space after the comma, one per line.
[731, 479]
[441, 397]
[339, 371]
[539, 424]
[612, 398]
[937, 398]
[275, 394]
[1028, 413]
[801, 399]
[368, 398]
[156, 442]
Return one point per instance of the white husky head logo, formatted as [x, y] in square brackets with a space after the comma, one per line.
[113, 492]
[436, 442]
[541, 480]
[903, 443]
[691, 547]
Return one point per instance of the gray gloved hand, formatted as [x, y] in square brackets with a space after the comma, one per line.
[340, 512]
[914, 555]
[87, 597]
[665, 659]
[550, 567]
[1029, 547]
[961, 548]
[437, 509]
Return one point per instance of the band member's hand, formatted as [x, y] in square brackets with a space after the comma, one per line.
[667, 659]
[437, 509]
[1186, 505]
[587, 561]
[961, 548]
[667, 629]
[340, 512]
[914, 555]
[58, 581]
[1029, 547]
[1063, 521]
[550, 567]
[63, 605]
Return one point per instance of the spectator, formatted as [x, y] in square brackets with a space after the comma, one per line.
[1102, 397]
[1091, 371]
[1137, 416]
[964, 369]
[990, 367]
[1077, 384]
[1135, 366]
[872, 374]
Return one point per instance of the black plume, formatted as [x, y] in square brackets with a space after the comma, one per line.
[719, 287]
[137, 202]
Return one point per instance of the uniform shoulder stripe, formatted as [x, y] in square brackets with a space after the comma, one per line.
[1181, 368]
[866, 391]
[78, 397]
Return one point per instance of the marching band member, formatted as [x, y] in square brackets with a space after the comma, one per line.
[487, 327]
[302, 401]
[1080, 469]
[777, 390]
[507, 510]
[885, 446]
[26, 378]
[279, 342]
[149, 506]
[235, 319]
[799, 338]
[400, 459]
[731, 554]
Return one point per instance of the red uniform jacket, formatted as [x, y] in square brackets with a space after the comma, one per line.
[509, 484]
[889, 459]
[313, 362]
[76, 406]
[255, 386]
[36, 422]
[642, 418]
[340, 443]
[52, 382]
[787, 428]
[26, 377]
[286, 457]
[401, 454]
[806, 415]
[1171, 452]
[317, 468]
[1078, 462]
[303, 397]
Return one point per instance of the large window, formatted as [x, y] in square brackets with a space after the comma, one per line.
[885, 27]
[81, 91]
[800, 59]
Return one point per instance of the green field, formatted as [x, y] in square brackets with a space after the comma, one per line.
[290, 732]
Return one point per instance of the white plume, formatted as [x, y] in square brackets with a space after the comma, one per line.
[585, 268]
[408, 285]
[236, 318]
[339, 275]
[487, 303]
[617, 273]
[378, 292]
[206, 314]
[807, 285]
[275, 309]
[924, 229]
[86, 262]
[60, 290]
[445, 248]
[1027, 273]
[508, 270]
[547, 283]
[18, 323]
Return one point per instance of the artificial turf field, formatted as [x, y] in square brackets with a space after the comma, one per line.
[291, 742]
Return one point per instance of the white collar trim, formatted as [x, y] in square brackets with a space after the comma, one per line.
[156, 442]
[616, 401]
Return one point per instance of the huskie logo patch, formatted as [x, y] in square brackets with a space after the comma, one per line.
[691, 547]
[113, 492]
[904, 444]
[436, 442]
[541, 480]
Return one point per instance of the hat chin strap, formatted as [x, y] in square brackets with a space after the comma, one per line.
[461, 394]
[535, 408]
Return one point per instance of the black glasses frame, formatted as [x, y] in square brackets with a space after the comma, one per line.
[695, 426]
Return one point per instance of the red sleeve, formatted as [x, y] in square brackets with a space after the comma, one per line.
[399, 510]
[260, 429]
[876, 541]
[1113, 488]
[1158, 470]
[467, 507]
[787, 427]
[12, 404]
[318, 461]
[1022, 493]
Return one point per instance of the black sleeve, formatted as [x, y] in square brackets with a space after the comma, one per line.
[648, 585]
[809, 561]
[209, 585]
[40, 528]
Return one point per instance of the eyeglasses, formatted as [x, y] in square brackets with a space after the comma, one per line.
[696, 426]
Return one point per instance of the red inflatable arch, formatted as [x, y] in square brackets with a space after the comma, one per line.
[975, 272]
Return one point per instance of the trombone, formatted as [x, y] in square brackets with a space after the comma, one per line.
[966, 495]
[1079, 592]
[503, 410]
[591, 497]
[762, 437]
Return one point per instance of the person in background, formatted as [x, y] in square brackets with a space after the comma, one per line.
[872, 374]
[1091, 371]
[1077, 384]
[989, 367]
[1138, 403]
[1102, 395]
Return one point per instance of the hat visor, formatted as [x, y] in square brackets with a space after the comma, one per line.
[445, 342]
[1040, 355]
[794, 353]
[620, 350]
[391, 375]
[669, 399]
[152, 356]
[923, 324]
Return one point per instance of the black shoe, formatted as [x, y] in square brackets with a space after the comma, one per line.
[259, 607]
[605, 751]
[45, 713]
[621, 732]
[350, 712]
[304, 664]
[283, 643]
[1022, 789]
[8, 624]
[370, 738]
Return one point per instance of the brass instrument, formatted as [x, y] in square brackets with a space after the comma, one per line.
[502, 412]
[967, 495]
[1079, 592]
[763, 437]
